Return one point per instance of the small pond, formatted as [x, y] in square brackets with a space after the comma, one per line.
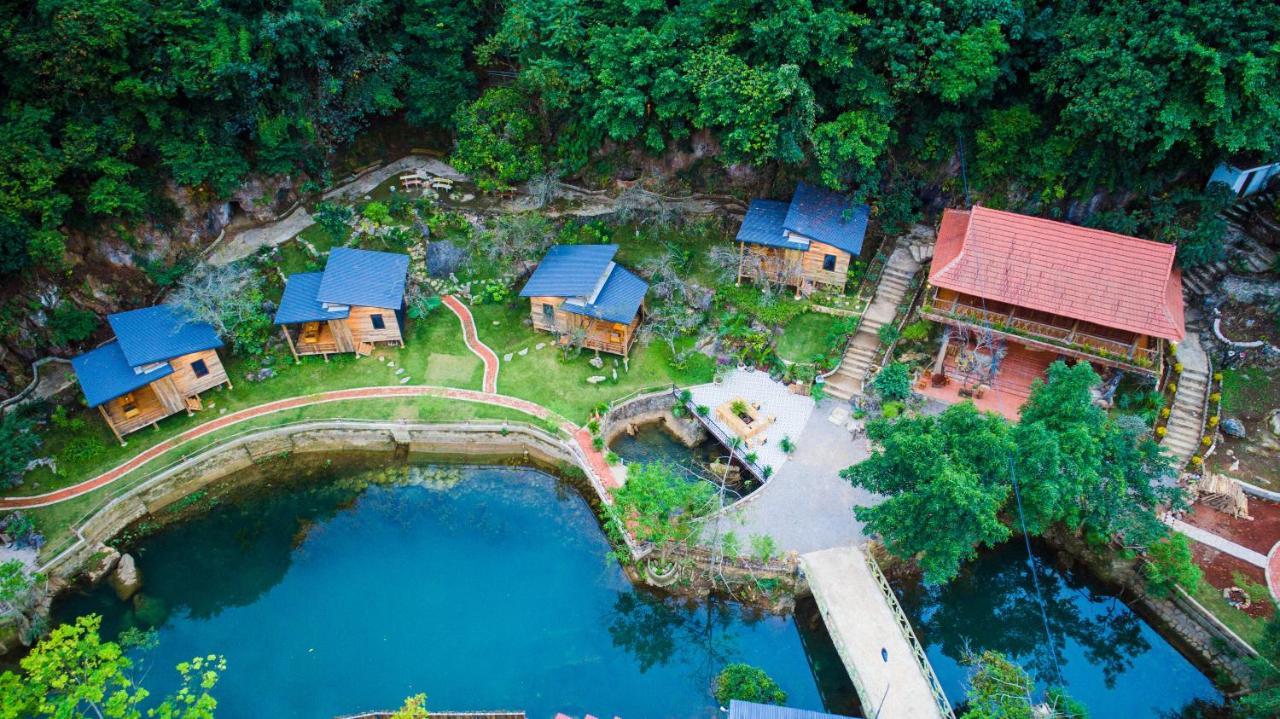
[485, 588]
[653, 443]
[1110, 658]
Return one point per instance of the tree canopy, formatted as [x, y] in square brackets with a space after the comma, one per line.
[109, 100]
[949, 479]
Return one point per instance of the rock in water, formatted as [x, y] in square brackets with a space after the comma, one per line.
[110, 557]
[126, 579]
[1233, 427]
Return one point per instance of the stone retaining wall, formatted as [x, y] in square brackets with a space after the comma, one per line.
[648, 409]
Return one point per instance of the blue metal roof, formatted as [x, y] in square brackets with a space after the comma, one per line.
[619, 300]
[162, 332]
[364, 278]
[763, 225]
[570, 271]
[828, 217]
[299, 303]
[739, 709]
[105, 374]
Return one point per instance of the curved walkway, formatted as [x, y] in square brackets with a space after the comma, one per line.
[472, 338]
[142, 458]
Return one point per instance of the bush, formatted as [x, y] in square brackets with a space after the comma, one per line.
[1169, 564]
[787, 445]
[68, 323]
[763, 546]
[890, 410]
[747, 683]
[703, 410]
[377, 213]
[423, 306]
[893, 383]
[888, 334]
[18, 443]
[612, 457]
[916, 331]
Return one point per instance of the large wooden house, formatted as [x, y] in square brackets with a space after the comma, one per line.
[1019, 292]
[581, 295]
[355, 303]
[158, 364]
[804, 243]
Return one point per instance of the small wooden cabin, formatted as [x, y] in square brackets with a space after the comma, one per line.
[357, 302]
[804, 243]
[578, 291]
[158, 365]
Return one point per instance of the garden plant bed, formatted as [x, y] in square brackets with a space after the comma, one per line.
[1249, 394]
[1241, 322]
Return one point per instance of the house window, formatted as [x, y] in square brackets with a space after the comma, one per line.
[199, 368]
[549, 311]
[829, 263]
[378, 324]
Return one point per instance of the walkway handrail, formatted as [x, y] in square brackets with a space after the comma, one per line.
[904, 625]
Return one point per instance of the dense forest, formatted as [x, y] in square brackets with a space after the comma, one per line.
[111, 104]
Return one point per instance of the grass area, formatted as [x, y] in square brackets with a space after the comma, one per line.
[805, 336]
[55, 521]
[1246, 627]
[542, 376]
[434, 353]
[1249, 393]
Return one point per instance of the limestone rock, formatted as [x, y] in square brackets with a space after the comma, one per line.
[1273, 422]
[126, 579]
[110, 559]
[1233, 427]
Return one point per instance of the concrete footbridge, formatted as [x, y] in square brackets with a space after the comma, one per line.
[889, 669]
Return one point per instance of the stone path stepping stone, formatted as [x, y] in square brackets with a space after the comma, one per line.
[405, 380]
[391, 364]
[507, 357]
[540, 345]
[523, 352]
[381, 358]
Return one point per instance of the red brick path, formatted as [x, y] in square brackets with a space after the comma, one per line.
[472, 338]
[464, 395]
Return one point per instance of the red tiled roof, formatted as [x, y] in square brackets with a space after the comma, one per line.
[1112, 280]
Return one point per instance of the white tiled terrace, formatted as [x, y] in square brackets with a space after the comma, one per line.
[790, 410]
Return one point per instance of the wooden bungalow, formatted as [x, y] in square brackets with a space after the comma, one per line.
[357, 302]
[579, 290]
[159, 363]
[1019, 292]
[804, 243]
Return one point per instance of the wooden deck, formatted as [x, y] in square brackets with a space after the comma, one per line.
[1005, 395]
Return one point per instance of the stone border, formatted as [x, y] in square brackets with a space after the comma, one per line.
[489, 439]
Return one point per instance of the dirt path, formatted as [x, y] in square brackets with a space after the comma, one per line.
[472, 338]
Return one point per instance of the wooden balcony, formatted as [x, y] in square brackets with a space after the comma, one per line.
[1068, 337]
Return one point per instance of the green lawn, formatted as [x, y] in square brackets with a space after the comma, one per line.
[805, 336]
[1249, 393]
[1246, 627]
[55, 520]
[542, 376]
[434, 353]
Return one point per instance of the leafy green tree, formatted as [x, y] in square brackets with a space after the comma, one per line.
[414, 707]
[69, 323]
[498, 141]
[1263, 699]
[18, 444]
[73, 672]
[1170, 564]
[659, 505]
[747, 683]
[945, 479]
[1000, 689]
[332, 218]
[849, 150]
[893, 383]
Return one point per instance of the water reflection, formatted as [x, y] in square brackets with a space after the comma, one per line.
[1109, 658]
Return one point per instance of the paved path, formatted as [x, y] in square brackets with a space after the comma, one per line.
[891, 681]
[228, 420]
[472, 338]
[1226, 546]
[807, 505]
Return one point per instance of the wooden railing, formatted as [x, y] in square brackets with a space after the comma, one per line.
[908, 633]
[1102, 348]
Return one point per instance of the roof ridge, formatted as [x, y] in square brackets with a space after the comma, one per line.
[1164, 246]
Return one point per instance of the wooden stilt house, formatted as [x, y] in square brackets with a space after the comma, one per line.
[804, 243]
[357, 302]
[581, 295]
[159, 363]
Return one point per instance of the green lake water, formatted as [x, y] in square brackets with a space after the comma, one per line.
[330, 595]
[1109, 658]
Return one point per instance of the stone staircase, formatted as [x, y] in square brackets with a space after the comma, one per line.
[1186, 416]
[846, 381]
[1251, 227]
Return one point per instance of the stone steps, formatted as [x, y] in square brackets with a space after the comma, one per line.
[1186, 415]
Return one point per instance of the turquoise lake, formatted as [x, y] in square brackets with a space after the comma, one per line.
[330, 595]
